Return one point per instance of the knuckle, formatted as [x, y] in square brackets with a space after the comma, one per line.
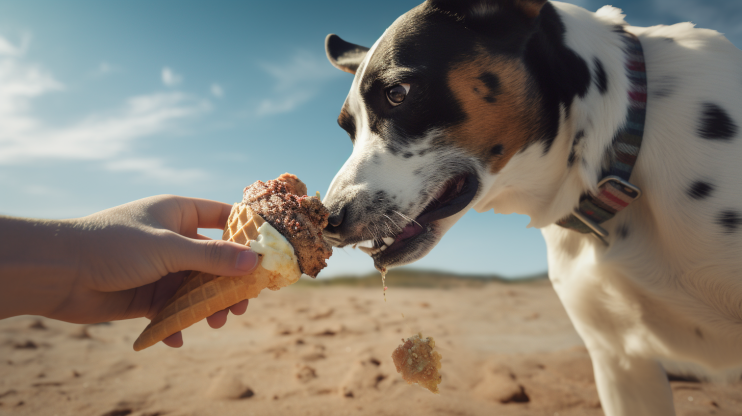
[215, 252]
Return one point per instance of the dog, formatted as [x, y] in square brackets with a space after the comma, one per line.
[531, 107]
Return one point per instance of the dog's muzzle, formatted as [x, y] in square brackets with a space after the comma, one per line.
[389, 235]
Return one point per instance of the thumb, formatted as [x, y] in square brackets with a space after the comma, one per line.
[222, 258]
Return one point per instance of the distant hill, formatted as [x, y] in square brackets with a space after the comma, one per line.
[406, 277]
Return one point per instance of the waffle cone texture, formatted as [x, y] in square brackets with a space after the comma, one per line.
[202, 294]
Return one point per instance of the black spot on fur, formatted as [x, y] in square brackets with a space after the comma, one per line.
[669, 40]
[496, 150]
[601, 79]
[417, 171]
[407, 155]
[716, 123]
[559, 72]
[424, 151]
[492, 82]
[622, 231]
[573, 153]
[730, 220]
[700, 190]
[571, 158]
[663, 87]
[394, 147]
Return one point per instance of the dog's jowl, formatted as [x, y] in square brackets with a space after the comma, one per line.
[621, 143]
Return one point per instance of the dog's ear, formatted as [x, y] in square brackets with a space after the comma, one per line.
[481, 9]
[344, 55]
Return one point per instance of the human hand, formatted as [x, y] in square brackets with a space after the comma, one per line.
[125, 262]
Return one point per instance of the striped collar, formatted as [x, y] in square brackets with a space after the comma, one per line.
[614, 191]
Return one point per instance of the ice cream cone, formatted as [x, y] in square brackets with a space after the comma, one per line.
[203, 294]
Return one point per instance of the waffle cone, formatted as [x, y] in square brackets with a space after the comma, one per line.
[202, 294]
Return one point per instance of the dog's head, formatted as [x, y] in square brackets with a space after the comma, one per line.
[438, 106]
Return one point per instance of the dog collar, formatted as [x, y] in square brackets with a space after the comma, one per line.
[615, 192]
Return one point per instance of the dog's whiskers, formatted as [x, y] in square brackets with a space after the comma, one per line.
[406, 218]
[394, 223]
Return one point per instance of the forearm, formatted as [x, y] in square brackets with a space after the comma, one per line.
[38, 263]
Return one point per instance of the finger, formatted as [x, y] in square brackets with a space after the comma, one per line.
[218, 319]
[211, 214]
[240, 307]
[202, 237]
[217, 257]
[174, 341]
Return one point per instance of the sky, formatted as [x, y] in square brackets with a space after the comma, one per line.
[102, 103]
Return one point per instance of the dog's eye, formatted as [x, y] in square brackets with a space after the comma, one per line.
[397, 94]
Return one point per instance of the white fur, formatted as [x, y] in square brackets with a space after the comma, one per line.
[638, 304]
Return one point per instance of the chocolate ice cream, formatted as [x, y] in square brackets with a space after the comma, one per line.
[283, 203]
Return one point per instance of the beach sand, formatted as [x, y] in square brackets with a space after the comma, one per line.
[312, 349]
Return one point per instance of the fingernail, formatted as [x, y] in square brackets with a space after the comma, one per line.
[246, 261]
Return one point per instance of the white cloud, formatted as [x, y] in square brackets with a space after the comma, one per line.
[296, 82]
[106, 137]
[303, 68]
[170, 78]
[99, 137]
[284, 104]
[8, 49]
[19, 83]
[156, 169]
[217, 91]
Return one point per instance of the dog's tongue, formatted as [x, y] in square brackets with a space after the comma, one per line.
[409, 231]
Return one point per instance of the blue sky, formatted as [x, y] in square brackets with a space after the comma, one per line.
[106, 102]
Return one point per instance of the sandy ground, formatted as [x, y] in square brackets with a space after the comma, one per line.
[508, 349]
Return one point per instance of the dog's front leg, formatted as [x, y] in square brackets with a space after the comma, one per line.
[631, 386]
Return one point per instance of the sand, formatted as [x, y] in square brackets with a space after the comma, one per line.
[508, 349]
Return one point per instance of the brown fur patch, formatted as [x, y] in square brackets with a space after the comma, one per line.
[531, 8]
[511, 120]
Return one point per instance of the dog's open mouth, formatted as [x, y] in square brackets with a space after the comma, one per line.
[453, 197]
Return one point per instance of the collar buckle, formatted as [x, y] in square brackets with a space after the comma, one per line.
[625, 187]
[614, 194]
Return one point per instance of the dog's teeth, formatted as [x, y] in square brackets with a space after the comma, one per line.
[388, 240]
[366, 244]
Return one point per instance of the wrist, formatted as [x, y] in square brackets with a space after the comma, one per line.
[38, 263]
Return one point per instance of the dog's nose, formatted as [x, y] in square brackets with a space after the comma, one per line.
[335, 220]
